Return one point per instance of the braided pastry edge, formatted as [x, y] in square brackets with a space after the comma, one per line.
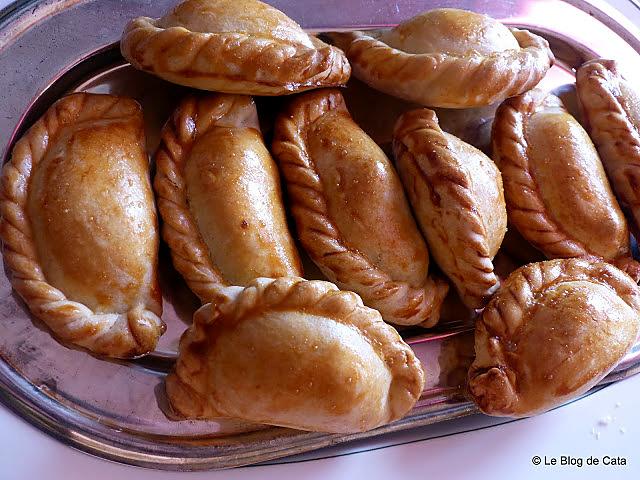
[422, 154]
[397, 301]
[232, 62]
[188, 387]
[124, 335]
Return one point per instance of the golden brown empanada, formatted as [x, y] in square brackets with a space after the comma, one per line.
[294, 353]
[553, 330]
[456, 194]
[219, 196]
[448, 58]
[79, 225]
[233, 46]
[351, 214]
[558, 195]
[611, 108]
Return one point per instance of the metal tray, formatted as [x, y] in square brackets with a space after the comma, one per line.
[114, 409]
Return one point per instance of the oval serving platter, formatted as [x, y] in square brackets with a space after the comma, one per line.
[114, 409]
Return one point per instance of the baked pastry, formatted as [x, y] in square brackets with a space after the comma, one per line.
[558, 195]
[79, 225]
[448, 58]
[233, 46]
[218, 192]
[553, 330]
[471, 125]
[456, 194]
[611, 109]
[294, 353]
[350, 211]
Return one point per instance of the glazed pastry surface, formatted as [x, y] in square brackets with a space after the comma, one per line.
[294, 353]
[448, 58]
[456, 194]
[553, 330]
[219, 196]
[350, 210]
[611, 107]
[79, 225]
[557, 192]
[233, 46]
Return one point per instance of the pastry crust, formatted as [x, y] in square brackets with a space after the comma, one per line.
[611, 108]
[448, 58]
[553, 330]
[558, 195]
[329, 363]
[79, 226]
[218, 191]
[233, 46]
[456, 194]
[351, 214]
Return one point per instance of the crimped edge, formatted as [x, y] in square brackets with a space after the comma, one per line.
[314, 297]
[71, 322]
[189, 253]
[322, 239]
[616, 136]
[419, 141]
[198, 60]
[525, 206]
[494, 387]
[423, 78]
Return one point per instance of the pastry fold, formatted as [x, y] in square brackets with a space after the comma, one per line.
[553, 330]
[557, 192]
[219, 196]
[351, 213]
[448, 58]
[79, 226]
[232, 46]
[611, 109]
[294, 353]
[456, 193]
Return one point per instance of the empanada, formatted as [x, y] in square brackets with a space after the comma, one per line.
[557, 193]
[79, 225]
[448, 58]
[294, 353]
[351, 214]
[456, 194]
[553, 330]
[233, 46]
[219, 196]
[611, 108]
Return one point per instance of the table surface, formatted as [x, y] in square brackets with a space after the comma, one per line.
[604, 426]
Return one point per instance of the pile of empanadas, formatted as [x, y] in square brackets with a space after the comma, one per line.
[391, 236]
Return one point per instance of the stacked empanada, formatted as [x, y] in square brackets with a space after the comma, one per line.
[268, 346]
